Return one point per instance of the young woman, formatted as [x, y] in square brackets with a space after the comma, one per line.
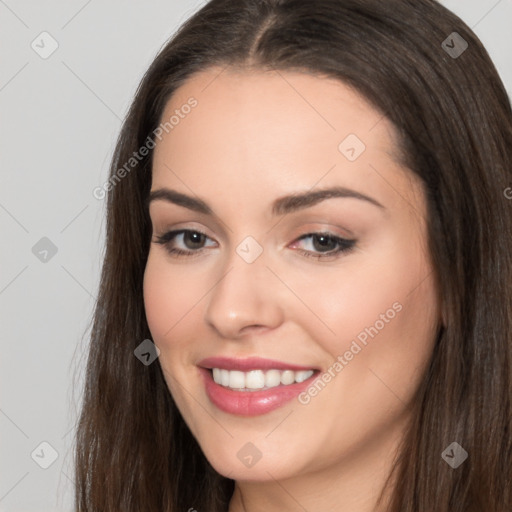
[306, 298]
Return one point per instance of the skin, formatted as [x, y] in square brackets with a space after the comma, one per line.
[253, 137]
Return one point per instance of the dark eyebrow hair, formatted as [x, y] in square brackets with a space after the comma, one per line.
[281, 206]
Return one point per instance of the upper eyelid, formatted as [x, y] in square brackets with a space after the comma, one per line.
[345, 234]
[180, 231]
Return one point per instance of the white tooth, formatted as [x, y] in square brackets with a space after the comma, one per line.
[258, 379]
[303, 375]
[224, 377]
[288, 377]
[236, 379]
[255, 379]
[272, 378]
[216, 375]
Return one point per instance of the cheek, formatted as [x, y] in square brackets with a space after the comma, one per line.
[170, 294]
[346, 302]
[169, 299]
[158, 300]
[385, 324]
[382, 316]
[386, 292]
[383, 333]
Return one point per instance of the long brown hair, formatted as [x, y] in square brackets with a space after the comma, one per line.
[133, 450]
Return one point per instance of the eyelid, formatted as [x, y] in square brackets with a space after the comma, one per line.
[311, 228]
[344, 245]
[166, 227]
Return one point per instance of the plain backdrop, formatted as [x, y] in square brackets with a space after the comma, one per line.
[59, 118]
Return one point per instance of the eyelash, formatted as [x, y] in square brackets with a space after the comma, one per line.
[345, 245]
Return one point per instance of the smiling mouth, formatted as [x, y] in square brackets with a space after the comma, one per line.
[258, 380]
[253, 386]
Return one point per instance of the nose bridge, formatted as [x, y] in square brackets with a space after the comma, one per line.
[245, 293]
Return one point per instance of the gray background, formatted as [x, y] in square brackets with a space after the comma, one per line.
[60, 116]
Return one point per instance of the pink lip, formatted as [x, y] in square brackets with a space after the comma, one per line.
[250, 403]
[250, 363]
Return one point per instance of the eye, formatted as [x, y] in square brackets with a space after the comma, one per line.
[322, 245]
[192, 239]
[328, 245]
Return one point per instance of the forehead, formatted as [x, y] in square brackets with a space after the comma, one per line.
[305, 104]
[273, 130]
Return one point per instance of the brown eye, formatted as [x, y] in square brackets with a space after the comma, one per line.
[325, 245]
[195, 238]
[192, 241]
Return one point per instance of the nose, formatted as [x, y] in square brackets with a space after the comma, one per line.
[244, 299]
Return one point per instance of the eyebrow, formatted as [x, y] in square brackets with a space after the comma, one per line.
[280, 206]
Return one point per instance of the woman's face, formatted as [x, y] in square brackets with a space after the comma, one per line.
[338, 283]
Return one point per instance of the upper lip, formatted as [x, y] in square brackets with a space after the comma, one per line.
[250, 363]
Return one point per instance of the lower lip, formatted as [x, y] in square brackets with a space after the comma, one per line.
[251, 403]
